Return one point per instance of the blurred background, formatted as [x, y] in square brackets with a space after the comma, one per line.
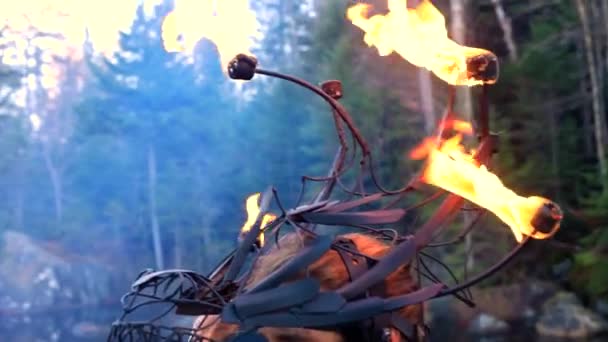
[117, 155]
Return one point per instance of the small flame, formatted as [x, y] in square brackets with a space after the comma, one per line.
[253, 210]
[170, 34]
[230, 24]
[420, 36]
[452, 168]
[459, 126]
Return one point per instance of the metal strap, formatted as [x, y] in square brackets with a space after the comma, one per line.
[355, 265]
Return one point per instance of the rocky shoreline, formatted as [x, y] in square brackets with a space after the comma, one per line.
[538, 308]
[36, 280]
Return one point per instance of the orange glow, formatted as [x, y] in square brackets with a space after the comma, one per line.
[451, 167]
[420, 36]
[253, 210]
[460, 126]
[423, 149]
[230, 24]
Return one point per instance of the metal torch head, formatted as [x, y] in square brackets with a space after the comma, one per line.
[483, 67]
[242, 67]
[547, 219]
[333, 88]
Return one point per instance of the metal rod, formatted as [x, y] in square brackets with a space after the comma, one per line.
[337, 106]
[484, 116]
[488, 272]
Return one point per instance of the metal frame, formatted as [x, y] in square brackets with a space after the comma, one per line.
[222, 292]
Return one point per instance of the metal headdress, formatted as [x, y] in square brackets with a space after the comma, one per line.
[301, 303]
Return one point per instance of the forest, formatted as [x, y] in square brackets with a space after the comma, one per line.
[135, 158]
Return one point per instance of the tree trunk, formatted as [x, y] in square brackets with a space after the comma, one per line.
[19, 195]
[207, 217]
[177, 248]
[55, 176]
[552, 114]
[505, 24]
[596, 95]
[158, 251]
[464, 102]
[599, 47]
[595, 25]
[588, 134]
[207, 240]
[605, 22]
[426, 100]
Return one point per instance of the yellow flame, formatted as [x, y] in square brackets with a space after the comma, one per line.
[462, 126]
[451, 168]
[230, 24]
[170, 34]
[420, 36]
[253, 210]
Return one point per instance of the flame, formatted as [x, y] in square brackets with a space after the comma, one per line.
[420, 36]
[253, 210]
[230, 24]
[459, 126]
[170, 34]
[451, 167]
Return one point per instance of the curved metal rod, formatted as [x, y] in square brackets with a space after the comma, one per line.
[432, 277]
[345, 116]
[372, 172]
[334, 176]
[337, 106]
[487, 273]
[484, 110]
[462, 234]
[221, 268]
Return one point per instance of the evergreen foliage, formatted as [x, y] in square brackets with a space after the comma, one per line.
[215, 141]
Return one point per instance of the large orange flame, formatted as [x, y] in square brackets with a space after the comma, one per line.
[420, 36]
[253, 210]
[451, 167]
[230, 24]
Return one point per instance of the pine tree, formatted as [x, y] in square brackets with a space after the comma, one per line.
[162, 107]
[289, 143]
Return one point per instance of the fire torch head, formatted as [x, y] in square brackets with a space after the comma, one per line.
[547, 220]
[242, 67]
[483, 67]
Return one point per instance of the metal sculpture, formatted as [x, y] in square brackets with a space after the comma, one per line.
[301, 303]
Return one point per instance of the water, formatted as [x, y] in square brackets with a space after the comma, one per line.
[84, 325]
[518, 332]
[93, 324]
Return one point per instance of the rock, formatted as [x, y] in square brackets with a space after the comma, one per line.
[33, 279]
[89, 330]
[561, 298]
[512, 302]
[601, 306]
[560, 271]
[443, 321]
[484, 324]
[564, 317]
[529, 316]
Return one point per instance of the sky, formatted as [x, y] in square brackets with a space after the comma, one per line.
[103, 18]
[71, 18]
